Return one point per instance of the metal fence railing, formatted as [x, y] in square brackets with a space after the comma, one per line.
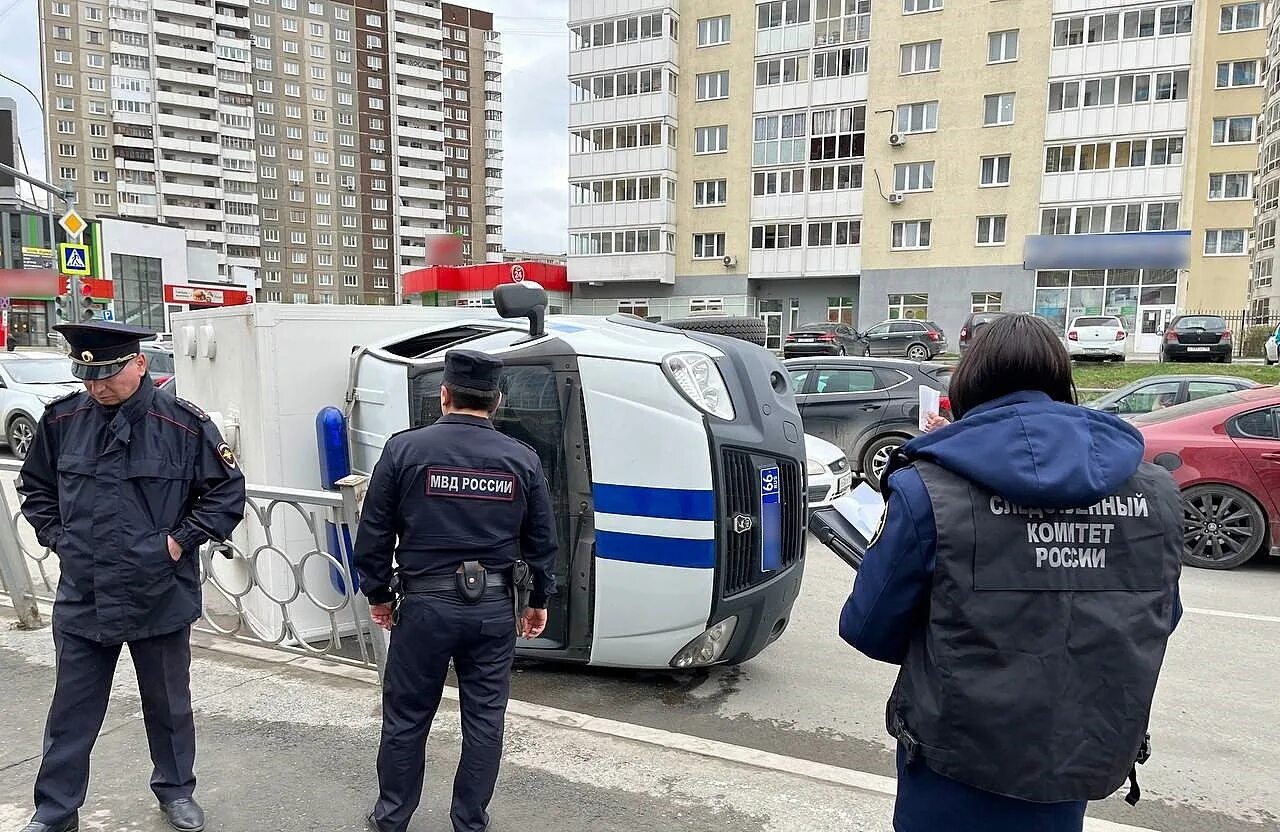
[284, 580]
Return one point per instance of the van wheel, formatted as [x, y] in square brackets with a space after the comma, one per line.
[875, 458]
[1224, 527]
[20, 434]
[742, 327]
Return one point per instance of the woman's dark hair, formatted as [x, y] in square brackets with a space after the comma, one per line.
[1012, 354]
[465, 398]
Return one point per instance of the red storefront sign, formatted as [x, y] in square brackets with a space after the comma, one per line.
[485, 277]
[100, 289]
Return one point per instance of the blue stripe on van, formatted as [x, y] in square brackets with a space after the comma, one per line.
[667, 503]
[658, 551]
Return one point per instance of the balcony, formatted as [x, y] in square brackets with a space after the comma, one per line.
[421, 73]
[179, 53]
[202, 235]
[200, 125]
[622, 214]
[183, 76]
[826, 261]
[609, 59]
[231, 21]
[492, 86]
[632, 160]
[1119, 56]
[185, 212]
[1112, 185]
[243, 240]
[426, 134]
[421, 212]
[403, 25]
[416, 192]
[492, 182]
[419, 9]
[121, 140]
[418, 92]
[1118, 120]
[185, 145]
[846, 203]
[653, 267]
[193, 191]
[186, 99]
[648, 107]
[185, 31]
[493, 239]
[183, 8]
[205, 171]
[414, 252]
[423, 153]
[429, 51]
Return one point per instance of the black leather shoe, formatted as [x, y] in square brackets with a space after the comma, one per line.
[371, 824]
[71, 824]
[184, 814]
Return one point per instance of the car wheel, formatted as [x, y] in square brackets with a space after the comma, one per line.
[1224, 527]
[1227, 359]
[21, 431]
[866, 351]
[875, 458]
[918, 352]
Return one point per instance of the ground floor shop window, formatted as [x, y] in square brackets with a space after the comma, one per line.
[914, 307]
[1062, 296]
[839, 310]
[29, 323]
[639, 308]
[139, 291]
[986, 302]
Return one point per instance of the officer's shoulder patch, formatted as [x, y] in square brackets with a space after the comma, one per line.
[194, 409]
[228, 458]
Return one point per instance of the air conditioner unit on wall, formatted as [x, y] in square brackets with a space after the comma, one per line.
[729, 261]
[895, 198]
[897, 139]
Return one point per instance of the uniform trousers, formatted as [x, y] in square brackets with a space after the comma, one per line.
[85, 669]
[480, 639]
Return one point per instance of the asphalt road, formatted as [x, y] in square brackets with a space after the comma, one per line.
[1215, 728]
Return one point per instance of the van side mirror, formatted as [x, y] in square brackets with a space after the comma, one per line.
[523, 300]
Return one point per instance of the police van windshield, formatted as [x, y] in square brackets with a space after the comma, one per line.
[41, 371]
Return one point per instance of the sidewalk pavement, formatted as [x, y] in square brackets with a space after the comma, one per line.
[287, 744]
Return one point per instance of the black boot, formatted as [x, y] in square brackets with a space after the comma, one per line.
[184, 814]
[71, 824]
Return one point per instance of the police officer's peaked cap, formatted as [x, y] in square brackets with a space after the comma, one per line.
[101, 349]
[471, 369]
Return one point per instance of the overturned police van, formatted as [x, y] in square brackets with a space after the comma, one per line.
[675, 459]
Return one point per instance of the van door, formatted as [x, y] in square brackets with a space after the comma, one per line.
[541, 407]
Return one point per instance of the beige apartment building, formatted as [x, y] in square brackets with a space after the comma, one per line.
[859, 160]
[306, 140]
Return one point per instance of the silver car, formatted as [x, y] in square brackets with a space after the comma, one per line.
[28, 382]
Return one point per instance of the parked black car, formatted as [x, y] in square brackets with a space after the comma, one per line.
[824, 339]
[916, 340]
[867, 407]
[1198, 338]
[1156, 392]
[971, 325]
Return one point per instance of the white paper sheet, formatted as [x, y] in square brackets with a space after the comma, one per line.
[862, 507]
[930, 402]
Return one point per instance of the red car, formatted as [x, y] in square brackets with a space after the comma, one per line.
[1224, 453]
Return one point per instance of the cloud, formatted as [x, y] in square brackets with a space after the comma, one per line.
[535, 119]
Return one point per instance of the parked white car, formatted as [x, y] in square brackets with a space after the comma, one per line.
[1273, 347]
[28, 382]
[828, 475]
[1098, 336]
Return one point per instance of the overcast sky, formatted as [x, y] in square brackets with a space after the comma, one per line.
[535, 89]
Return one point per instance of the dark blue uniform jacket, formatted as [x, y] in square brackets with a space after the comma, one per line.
[105, 487]
[1035, 452]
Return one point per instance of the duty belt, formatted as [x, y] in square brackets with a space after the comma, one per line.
[448, 583]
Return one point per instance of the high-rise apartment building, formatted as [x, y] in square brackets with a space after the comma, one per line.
[858, 160]
[301, 138]
[1264, 292]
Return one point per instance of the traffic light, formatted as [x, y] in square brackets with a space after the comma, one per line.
[87, 309]
[63, 306]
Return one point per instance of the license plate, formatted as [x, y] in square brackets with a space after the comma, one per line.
[843, 484]
[1197, 349]
[1095, 349]
[770, 519]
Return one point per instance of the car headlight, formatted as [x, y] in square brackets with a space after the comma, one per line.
[814, 468]
[699, 379]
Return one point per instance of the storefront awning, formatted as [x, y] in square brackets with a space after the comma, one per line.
[1141, 250]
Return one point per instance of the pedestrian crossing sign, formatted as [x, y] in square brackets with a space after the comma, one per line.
[73, 258]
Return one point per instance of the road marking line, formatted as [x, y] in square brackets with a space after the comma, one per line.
[669, 740]
[1248, 616]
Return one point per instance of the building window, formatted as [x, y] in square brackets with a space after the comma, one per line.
[911, 235]
[711, 139]
[710, 192]
[997, 110]
[62, 56]
[1230, 186]
[1240, 17]
[712, 85]
[708, 246]
[713, 31]
[835, 233]
[778, 182]
[1237, 74]
[920, 57]
[639, 308]
[918, 118]
[1002, 47]
[1224, 241]
[909, 307]
[706, 304]
[839, 310]
[916, 6]
[1234, 130]
[779, 71]
[779, 139]
[986, 302]
[834, 177]
[913, 176]
[139, 290]
[995, 171]
[777, 235]
[781, 13]
[991, 230]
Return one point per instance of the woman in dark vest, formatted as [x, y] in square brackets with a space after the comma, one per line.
[1025, 579]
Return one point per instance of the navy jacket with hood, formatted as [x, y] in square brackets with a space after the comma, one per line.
[1046, 454]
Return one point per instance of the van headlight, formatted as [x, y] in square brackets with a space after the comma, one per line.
[707, 648]
[698, 377]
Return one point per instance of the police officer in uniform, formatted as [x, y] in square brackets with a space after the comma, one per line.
[462, 507]
[1025, 578]
[124, 483]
